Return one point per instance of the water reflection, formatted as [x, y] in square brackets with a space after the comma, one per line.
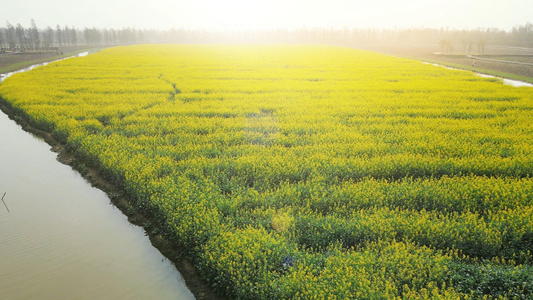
[62, 239]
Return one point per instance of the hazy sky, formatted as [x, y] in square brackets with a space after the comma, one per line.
[261, 14]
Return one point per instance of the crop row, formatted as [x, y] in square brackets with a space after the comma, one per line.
[306, 171]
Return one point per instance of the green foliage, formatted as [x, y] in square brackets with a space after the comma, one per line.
[378, 177]
[492, 279]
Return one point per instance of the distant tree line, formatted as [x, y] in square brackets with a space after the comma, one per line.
[33, 38]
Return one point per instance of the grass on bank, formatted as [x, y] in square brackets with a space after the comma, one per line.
[475, 69]
[25, 64]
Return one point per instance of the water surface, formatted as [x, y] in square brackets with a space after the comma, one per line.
[511, 82]
[63, 239]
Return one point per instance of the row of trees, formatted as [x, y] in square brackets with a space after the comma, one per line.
[447, 46]
[34, 38]
[14, 37]
[20, 38]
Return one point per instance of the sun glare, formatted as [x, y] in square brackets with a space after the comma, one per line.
[253, 15]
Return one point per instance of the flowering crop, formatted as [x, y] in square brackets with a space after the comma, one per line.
[374, 176]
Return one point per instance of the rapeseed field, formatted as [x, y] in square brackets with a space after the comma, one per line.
[307, 172]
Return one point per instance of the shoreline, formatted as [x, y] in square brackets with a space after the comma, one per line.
[198, 287]
[424, 53]
[18, 61]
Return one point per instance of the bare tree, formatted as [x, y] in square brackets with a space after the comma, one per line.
[19, 31]
[105, 34]
[35, 35]
[73, 36]
[10, 35]
[59, 34]
[1, 38]
[523, 35]
[446, 46]
[66, 35]
[92, 35]
[48, 37]
[113, 36]
[442, 45]
[481, 46]
[464, 43]
[141, 36]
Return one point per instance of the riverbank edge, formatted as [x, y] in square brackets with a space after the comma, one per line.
[22, 65]
[436, 60]
[119, 198]
[497, 74]
[457, 66]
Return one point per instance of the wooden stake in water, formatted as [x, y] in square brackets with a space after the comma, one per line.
[5, 202]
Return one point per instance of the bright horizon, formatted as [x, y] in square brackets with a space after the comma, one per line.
[257, 15]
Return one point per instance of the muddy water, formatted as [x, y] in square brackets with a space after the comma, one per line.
[62, 239]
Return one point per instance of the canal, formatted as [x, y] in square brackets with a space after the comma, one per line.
[61, 238]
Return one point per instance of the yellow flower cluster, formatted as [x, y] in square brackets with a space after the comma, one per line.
[304, 172]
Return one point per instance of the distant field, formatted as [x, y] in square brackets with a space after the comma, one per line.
[15, 61]
[307, 171]
[460, 59]
[515, 58]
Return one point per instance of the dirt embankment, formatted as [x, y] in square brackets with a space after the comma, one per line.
[18, 60]
[430, 52]
[7, 60]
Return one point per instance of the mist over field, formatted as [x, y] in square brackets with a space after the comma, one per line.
[267, 15]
